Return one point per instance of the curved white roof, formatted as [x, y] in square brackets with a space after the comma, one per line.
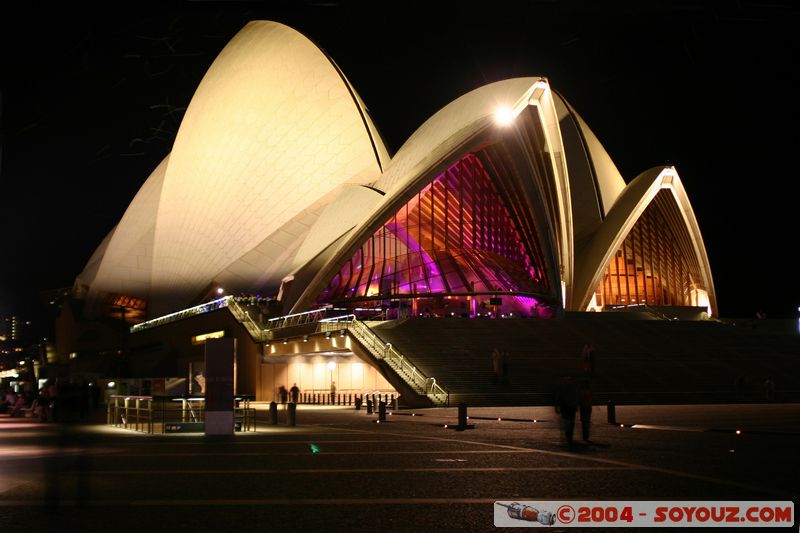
[620, 220]
[438, 136]
[609, 181]
[431, 145]
[272, 128]
[278, 172]
[127, 263]
[89, 272]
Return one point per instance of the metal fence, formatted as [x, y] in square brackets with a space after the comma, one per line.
[168, 414]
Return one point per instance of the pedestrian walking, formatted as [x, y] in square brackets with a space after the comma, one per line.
[567, 405]
[585, 406]
[283, 394]
[295, 391]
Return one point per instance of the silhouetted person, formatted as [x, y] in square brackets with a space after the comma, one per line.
[567, 405]
[769, 389]
[284, 395]
[295, 390]
[587, 357]
[333, 392]
[585, 405]
[497, 365]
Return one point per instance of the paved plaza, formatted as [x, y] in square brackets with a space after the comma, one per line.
[339, 470]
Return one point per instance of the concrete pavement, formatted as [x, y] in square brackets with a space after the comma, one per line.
[340, 471]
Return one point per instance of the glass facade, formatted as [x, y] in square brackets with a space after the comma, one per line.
[454, 240]
[656, 264]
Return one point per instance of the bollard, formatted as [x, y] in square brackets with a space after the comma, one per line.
[358, 403]
[612, 412]
[369, 406]
[382, 412]
[462, 416]
[273, 413]
[395, 402]
[291, 417]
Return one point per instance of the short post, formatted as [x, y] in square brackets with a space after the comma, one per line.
[395, 402]
[273, 413]
[291, 418]
[611, 410]
[369, 406]
[462, 416]
[382, 412]
[358, 403]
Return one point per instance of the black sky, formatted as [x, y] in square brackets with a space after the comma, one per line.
[91, 102]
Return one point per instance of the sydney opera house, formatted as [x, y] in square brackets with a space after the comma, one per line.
[502, 204]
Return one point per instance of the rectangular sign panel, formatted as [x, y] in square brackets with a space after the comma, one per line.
[649, 514]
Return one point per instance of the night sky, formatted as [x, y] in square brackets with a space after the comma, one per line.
[92, 100]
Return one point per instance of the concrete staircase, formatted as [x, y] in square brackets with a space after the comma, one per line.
[637, 361]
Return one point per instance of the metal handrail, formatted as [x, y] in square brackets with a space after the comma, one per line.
[184, 313]
[298, 319]
[396, 360]
[246, 320]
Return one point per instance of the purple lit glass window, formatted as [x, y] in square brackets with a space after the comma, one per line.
[455, 236]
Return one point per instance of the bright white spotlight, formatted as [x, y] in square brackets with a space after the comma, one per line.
[504, 116]
[220, 290]
[331, 365]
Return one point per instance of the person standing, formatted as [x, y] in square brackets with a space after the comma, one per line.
[587, 356]
[284, 395]
[585, 406]
[295, 391]
[497, 365]
[566, 406]
[333, 392]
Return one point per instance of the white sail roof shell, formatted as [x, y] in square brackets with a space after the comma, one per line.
[125, 266]
[272, 128]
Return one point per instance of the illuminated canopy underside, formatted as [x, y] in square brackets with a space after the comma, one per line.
[453, 237]
[655, 264]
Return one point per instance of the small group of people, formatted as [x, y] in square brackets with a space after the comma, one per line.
[28, 404]
[284, 393]
[741, 392]
[15, 404]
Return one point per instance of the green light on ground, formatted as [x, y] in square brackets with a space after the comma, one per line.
[314, 448]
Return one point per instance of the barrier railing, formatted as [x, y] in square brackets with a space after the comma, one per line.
[379, 349]
[165, 414]
[243, 316]
[184, 313]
